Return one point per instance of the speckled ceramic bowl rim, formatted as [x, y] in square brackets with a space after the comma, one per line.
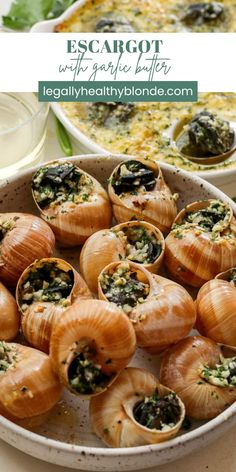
[229, 415]
[129, 451]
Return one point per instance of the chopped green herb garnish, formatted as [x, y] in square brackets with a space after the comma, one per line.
[158, 412]
[141, 245]
[133, 175]
[47, 283]
[6, 358]
[123, 288]
[58, 183]
[85, 376]
[223, 374]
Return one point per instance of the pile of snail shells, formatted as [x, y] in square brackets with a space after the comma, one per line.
[101, 333]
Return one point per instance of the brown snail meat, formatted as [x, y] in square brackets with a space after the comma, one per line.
[56, 184]
[202, 12]
[46, 283]
[157, 412]
[133, 175]
[123, 287]
[73, 202]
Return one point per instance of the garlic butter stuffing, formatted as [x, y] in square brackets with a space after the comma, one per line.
[216, 305]
[124, 287]
[29, 387]
[141, 244]
[204, 379]
[136, 410]
[62, 183]
[202, 242]
[229, 275]
[136, 241]
[44, 291]
[47, 283]
[211, 220]
[6, 357]
[137, 190]
[74, 204]
[155, 412]
[223, 374]
[133, 177]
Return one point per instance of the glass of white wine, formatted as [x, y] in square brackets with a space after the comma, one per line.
[23, 123]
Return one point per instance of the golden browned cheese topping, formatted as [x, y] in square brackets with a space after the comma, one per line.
[144, 130]
[152, 16]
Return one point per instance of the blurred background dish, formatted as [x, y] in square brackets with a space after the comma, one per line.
[22, 131]
[162, 16]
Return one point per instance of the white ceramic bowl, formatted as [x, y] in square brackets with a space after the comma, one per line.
[66, 439]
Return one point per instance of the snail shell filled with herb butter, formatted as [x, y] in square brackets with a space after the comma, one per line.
[136, 241]
[138, 191]
[29, 387]
[23, 238]
[90, 345]
[136, 410]
[161, 311]
[9, 315]
[73, 203]
[204, 380]
[216, 308]
[202, 242]
[44, 291]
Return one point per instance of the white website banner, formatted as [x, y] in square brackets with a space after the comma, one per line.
[26, 59]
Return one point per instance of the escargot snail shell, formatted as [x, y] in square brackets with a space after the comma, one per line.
[195, 255]
[216, 308]
[73, 222]
[112, 414]
[101, 333]
[157, 205]
[165, 316]
[29, 387]
[110, 245]
[9, 315]
[24, 238]
[38, 318]
[181, 371]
